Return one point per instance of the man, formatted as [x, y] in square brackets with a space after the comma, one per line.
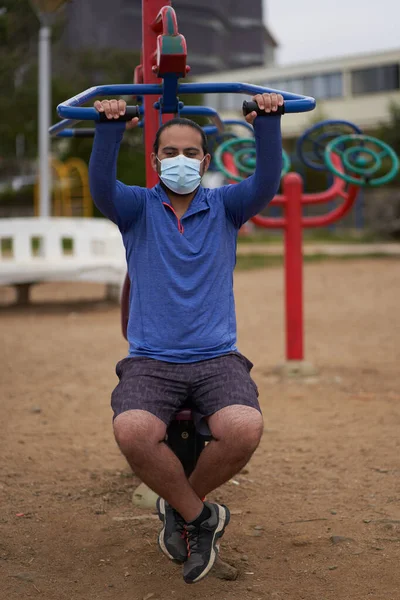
[180, 241]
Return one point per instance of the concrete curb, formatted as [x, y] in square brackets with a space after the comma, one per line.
[244, 249]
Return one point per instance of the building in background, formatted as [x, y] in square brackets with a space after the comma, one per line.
[221, 35]
[357, 88]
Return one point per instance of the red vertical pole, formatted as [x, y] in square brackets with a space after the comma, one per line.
[292, 190]
[150, 10]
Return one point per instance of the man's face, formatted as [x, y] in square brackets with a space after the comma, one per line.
[180, 139]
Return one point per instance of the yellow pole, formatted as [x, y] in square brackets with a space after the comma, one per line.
[62, 191]
[78, 165]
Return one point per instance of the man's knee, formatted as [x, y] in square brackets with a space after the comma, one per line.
[249, 435]
[240, 428]
[136, 431]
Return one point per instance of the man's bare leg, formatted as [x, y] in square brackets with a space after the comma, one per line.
[140, 436]
[237, 431]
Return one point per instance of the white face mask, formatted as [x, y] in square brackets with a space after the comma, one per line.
[180, 174]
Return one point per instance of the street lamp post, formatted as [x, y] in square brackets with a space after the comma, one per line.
[44, 9]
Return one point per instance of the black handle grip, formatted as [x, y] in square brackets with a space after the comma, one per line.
[249, 106]
[130, 113]
[84, 132]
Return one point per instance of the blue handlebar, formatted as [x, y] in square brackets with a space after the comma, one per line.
[72, 111]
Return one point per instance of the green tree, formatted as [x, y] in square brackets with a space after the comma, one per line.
[390, 132]
[82, 69]
[19, 28]
[18, 103]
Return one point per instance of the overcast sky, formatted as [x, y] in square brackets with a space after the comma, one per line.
[311, 29]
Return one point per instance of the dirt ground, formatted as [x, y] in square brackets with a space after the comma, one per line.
[316, 515]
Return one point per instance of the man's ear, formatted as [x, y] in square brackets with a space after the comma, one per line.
[154, 161]
[206, 162]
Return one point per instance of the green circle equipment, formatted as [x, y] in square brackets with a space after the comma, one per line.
[244, 158]
[362, 159]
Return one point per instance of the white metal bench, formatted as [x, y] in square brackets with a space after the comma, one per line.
[37, 250]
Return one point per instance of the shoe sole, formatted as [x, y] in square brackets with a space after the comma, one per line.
[161, 516]
[161, 543]
[223, 521]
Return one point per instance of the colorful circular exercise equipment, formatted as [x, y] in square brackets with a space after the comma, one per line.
[363, 158]
[311, 145]
[244, 158]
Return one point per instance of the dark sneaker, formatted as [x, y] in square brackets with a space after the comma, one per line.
[172, 537]
[202, 543]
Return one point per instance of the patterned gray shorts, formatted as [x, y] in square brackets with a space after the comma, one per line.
[164, 389]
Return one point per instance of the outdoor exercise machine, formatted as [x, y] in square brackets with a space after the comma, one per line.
[157, 88]
[355, 160]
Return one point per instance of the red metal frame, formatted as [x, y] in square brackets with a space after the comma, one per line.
[293, 223]
[150, 30]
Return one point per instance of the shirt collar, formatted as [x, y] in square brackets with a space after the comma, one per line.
[197, 204]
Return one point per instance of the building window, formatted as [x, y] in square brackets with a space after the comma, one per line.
[277, 84]
[308, 86]
[335, 85]
[375, 79]
[297, 85]
[328, 85]
[233, 102]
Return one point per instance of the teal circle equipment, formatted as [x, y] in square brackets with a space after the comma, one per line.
[362, 157]
[244, 158]
[366, 163]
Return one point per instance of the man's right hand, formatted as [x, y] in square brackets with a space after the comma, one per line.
[114, 109]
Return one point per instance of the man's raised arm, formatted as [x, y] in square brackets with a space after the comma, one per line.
[249, 197]
[119, 202]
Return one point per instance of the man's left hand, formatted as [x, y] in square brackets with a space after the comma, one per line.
[267, 102]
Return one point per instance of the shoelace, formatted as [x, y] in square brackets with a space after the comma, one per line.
[192, 539]
[180, 525]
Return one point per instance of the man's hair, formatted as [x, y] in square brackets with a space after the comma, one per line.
[182, 122]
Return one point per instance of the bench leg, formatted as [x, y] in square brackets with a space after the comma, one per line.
[23, 294]
[113, 292]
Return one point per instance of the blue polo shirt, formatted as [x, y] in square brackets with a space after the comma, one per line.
[182, 307]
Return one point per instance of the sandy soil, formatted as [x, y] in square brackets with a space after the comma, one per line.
[316, 515]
